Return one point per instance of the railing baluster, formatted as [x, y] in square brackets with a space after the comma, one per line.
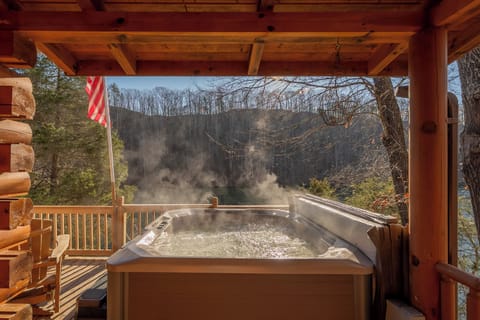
[55, 232]
[99, 236]
[91, 233]
[473, 305]
[62, 221]
[132, 224]
[77, 234]
[70, 227]
[84, 230]
[105, 231]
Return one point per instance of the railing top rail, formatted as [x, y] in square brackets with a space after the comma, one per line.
[460, 276]
[71, 209]
[200, 206]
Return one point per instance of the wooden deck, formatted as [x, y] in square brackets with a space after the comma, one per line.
[78, 274]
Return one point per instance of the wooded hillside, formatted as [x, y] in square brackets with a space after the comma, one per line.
[244, 148]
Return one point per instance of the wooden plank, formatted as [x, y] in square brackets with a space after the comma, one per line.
[15, 212]
[60, 56]
[14, 266]
[14, 184]
[462, 42]
[16, 157]
[236, 68]
[15, 102]
[383, 56]
[91, 5]
[15, 311]
[15, 132]
[201, 38]
[11, 237]
[6, 72]
[255, 58]
[16, 52]
[392, 21]
[454, 11]
[125, 58]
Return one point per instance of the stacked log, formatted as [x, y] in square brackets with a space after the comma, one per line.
[16, 161]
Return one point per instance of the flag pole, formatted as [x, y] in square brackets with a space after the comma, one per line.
[109, 143]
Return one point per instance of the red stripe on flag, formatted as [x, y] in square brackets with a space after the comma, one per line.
[96, 100]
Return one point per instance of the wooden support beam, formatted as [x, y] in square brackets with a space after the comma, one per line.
[15, 212]
[16, 157]
[16, 102]
[60, 56]
[91, 5]
[6, 72]
[15, 132]
[124, 57]
[256, 53]
[344, 38]
[462, 42]
[14, 266]
[383, 56]
[10, 5]
[14, 184]
[449, 12]
[428, 168]
[172, 22]
[15, 51]
[265, 5]
[236, 68]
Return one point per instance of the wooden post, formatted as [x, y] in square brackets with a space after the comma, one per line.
[118, 224]
[428, 168]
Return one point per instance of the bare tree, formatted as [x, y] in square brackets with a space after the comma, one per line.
[469, 70]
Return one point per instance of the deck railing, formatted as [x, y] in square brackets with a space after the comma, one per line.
[450, 275]
[99, 230]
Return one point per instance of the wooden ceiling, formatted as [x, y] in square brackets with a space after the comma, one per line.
[229, 37]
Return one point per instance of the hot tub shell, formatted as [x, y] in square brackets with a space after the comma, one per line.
[144, 286]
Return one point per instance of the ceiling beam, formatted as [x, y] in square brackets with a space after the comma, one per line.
[91, 5]
[462, 42]
[383, 56]
[60, 56]
[16, 51]
[454, 11]
[237, 68]
[301, 23]
[124, 57]
[6, 72]
[10, 5]
[265, 5]
[344, 38]
[256, 53]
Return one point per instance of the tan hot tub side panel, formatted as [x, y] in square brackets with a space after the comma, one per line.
[239, 296]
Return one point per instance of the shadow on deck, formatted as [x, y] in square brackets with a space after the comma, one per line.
[78, 274]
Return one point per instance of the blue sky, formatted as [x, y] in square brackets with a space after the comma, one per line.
[152, 82]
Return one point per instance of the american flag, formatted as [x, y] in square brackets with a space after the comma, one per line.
[96, 100]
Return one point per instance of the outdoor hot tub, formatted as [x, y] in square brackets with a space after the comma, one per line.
[239, 264]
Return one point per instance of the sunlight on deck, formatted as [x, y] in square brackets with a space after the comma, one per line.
[78, 274]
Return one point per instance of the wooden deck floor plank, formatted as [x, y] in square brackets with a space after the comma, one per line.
[78, 274]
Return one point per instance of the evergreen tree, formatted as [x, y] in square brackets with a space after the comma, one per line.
[71, 165]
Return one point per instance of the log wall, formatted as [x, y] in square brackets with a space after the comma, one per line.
[16, 161]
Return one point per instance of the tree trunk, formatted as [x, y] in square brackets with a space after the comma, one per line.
[393, 140]
[469, 69]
